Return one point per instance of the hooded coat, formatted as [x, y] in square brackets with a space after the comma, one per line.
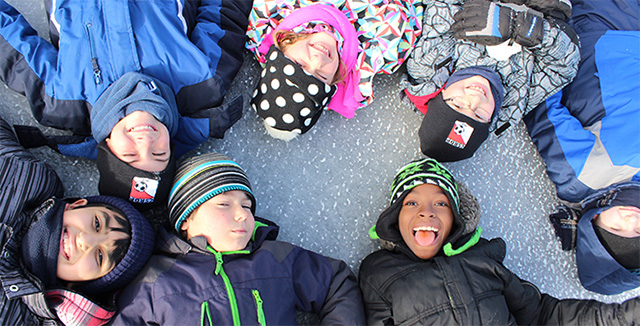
[189, 283]
[194, 47]
[529, 75]
[26, 193]
[469, 288]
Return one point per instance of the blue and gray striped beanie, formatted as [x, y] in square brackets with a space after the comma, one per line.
[200, 178]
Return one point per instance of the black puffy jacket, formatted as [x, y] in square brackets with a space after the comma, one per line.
[471, 288]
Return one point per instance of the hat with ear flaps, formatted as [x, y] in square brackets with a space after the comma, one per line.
[465, 207]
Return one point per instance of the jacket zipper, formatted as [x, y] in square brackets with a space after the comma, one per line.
[97, 74]
[259, 309]
[233, 304]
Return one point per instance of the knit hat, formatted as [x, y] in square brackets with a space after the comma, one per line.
[140, 249]
[143, 189]
[287, 98]
[200, 178]
[424, 171]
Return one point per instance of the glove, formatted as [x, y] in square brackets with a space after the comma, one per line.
[560, 9]
[483, 22]
[565, 225]
[488, 23]
[222, 117]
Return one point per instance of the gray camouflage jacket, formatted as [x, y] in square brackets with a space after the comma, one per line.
[528, 76]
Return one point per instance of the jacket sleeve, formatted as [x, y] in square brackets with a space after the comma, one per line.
[563, 144]
[530, 307]
[30, 181]
[219, 33]
[135, 306]
[313, 275]
[556, 61]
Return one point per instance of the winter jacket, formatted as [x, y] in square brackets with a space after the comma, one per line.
[529, 76]
[597, 269]
[386, 30]
[589, 133]
[472, 288]
[25, 198]
[467, 286]
[195, 47]
[189, 283]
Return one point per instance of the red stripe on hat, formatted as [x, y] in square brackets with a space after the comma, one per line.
[421, 101]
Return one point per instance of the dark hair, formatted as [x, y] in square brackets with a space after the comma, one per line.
[284, 38]
[121, 245]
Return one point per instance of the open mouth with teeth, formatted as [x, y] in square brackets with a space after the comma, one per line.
[478, 89]
[425, 235]
[64, 244]
[320, 47]
[142, 128]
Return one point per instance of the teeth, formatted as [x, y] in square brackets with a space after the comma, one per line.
[142, 128]
[479, 89]
[425, 228]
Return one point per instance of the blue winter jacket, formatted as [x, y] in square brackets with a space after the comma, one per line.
[195, 47]
[589, 133]
[189, 283]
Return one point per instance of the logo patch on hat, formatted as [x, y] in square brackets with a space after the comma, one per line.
[459, 134]
[143, 190]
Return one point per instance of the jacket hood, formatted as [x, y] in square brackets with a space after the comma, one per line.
[597, 269]
[463, 234]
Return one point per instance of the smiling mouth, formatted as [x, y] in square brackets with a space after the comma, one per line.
[322, 48]
[64, 245]
[477, 89]
[142, 128]
[425, 235]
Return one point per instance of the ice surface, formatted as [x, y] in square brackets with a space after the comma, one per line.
[327, 187]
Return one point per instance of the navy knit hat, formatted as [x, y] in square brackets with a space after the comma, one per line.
[287, 98]
[200, 178]
[143, 189]
[140, 249]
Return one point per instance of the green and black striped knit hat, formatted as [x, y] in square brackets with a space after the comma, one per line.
[200, 178]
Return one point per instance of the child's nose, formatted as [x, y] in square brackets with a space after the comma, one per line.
[85, 241]
[241, 214]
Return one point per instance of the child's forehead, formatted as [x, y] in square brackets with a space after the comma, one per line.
[427, 190]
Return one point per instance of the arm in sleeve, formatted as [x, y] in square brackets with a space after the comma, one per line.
[377, 310]
[135, 306]
[563, 144]
[25, 58]
[555, 63]
[530, 307]
[327, 287]
[219, 33]
[30, 181]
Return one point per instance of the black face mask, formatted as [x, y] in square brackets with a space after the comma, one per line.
[626, 251]
[447, 135]
[143, 189]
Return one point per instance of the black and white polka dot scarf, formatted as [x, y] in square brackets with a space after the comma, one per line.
[288, 98]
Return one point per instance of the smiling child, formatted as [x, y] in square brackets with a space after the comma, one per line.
[435, 269]
[60, 257]
[220, 265]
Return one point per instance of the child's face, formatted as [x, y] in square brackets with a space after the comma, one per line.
[471, 97]
[86, 241]
[425, 220]
[623, 221]
[317, 55]
[142, 141]
[225, 221]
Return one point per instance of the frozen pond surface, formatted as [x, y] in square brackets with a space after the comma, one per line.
[327, 187]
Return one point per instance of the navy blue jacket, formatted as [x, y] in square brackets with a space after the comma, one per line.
[195, 47]
[188, 283]
[589, 133]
